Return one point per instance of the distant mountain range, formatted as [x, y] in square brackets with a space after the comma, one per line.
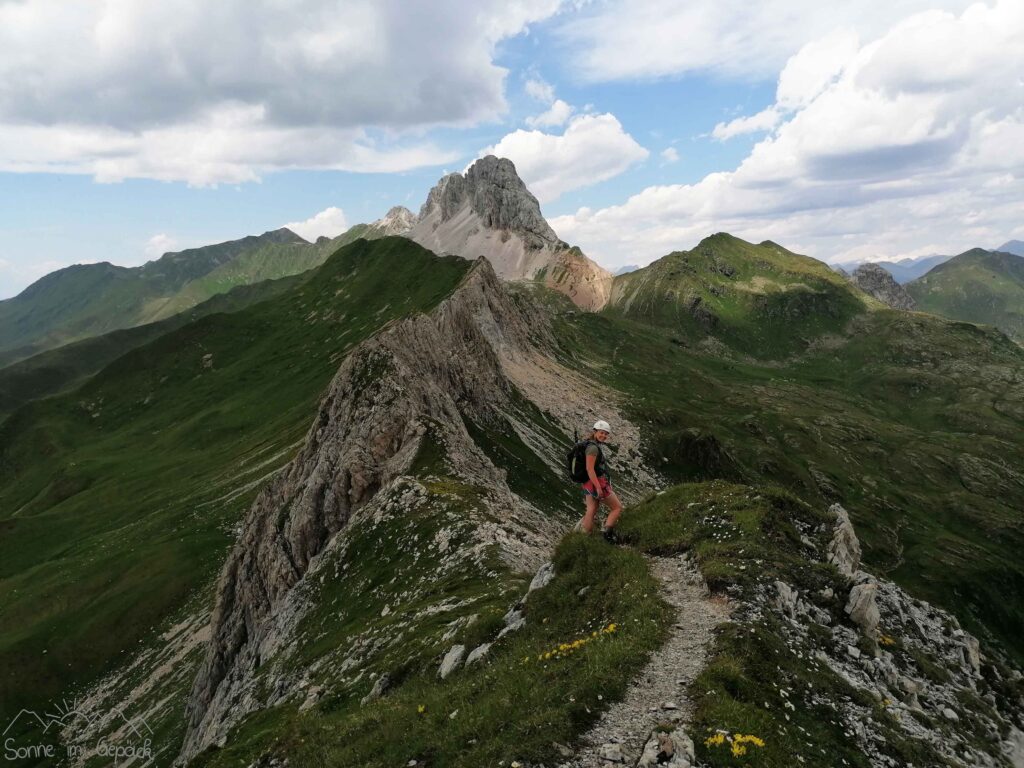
[1016, 247]
[905, 270]
[91, 299]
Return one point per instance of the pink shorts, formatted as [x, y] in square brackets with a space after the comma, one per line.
[605, 488]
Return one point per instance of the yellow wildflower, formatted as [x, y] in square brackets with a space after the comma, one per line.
[421, 708]
[714, 741]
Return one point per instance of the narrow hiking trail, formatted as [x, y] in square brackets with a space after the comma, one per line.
[659, 693]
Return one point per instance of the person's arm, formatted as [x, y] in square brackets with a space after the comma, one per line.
[591, 461]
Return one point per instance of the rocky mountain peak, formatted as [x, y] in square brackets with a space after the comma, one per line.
[492, 189]
[488, 211]
[877, 282]
[397, 221]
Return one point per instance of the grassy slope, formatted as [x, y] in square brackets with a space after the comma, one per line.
[977, 286]
[529, 693]
[914, 423]
[62, 368]
[118, 498]
[760, 299]
[268, 261]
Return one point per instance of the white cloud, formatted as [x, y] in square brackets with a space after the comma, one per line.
[764, 120]
[593, 148]
[330, 222]
[540, 90]
[557, 114]
[917, 137]
[158, 245]
[620, 39]
[670, 155]
[223, 92]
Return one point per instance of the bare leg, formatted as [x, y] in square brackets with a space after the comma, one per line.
[614, 509]
[588, 516]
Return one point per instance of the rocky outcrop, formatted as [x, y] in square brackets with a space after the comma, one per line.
[488, 211]
[878, 283]
[844, 546]
[422, 373]
[894, 652]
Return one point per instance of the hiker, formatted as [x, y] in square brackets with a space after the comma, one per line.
[598, 487]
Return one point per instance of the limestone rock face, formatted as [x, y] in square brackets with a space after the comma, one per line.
[489, 212]
[862, 609]
[877, 282]
[844, 548]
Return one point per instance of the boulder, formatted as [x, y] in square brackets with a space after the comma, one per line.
[477, 653]
[673, 749]
[786, 599]
[612, 752]
[451, 661]
[379, 688]
[862, 609]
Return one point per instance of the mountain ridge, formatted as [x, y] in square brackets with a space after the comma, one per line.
[977, 286]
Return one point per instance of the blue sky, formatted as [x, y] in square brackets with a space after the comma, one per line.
[894, 129]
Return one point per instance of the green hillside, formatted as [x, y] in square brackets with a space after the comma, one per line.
[89, 299]
[978, 286]
[118, 498]
[61, 368]
[759, 299]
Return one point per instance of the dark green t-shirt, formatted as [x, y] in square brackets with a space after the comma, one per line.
[600, 466]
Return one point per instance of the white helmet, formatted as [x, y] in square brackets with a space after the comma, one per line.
[603, 425]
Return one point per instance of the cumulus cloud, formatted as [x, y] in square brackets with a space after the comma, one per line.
[593, 148]
[540, 89]
[620, 40]
[222, 92]
[158, 245]
[670, 155]
[330, 222]
[915, 140]
[557, 114]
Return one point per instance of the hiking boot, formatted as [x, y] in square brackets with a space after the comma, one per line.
[610, 535]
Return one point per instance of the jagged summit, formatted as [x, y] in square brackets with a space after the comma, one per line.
[493, 190]
[489, 211]
[397, 221]
[876, 281]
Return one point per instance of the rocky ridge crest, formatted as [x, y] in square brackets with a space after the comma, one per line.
[416, 381]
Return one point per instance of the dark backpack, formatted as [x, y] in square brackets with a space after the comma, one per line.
[576, 461]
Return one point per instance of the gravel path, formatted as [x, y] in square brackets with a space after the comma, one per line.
[664, 680]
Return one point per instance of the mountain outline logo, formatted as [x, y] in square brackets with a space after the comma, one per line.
[17, 744]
